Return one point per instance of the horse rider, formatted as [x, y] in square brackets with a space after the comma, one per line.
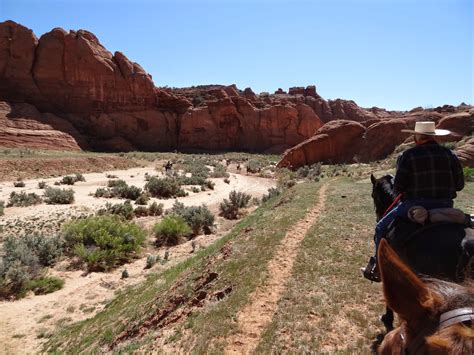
[427, 175]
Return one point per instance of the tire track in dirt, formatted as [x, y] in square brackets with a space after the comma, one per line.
[254, 318]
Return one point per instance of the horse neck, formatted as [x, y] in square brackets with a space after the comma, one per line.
[385, 197]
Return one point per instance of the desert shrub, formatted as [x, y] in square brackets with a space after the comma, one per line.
[220, 171]
[254, 166]
[41, 185]
[23, 199]
[151, 260]
[255, 201]
[111, 176]
[142, 199]
[22, 261]
[210, 185]
[56, 196]
[171, 231]
[272, 192]
[102, 192]
[2, 208]
[68, 180]
[140, 211]
[44, 285]
[19, 183]
[199, 218]
[164, 188]
[195, 189]
[227, 181]
[468, 173]
[309, 172]
[116, 183]
[103, 242]
[230, 208]
[124, 210]
[155, 209]
[80, 177]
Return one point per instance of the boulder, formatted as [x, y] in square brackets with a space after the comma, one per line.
[465, 153]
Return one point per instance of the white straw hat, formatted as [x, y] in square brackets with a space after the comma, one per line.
[427, 128]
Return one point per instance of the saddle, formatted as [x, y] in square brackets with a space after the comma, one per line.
[420, 223]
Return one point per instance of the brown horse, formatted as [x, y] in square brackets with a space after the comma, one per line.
[437, 317]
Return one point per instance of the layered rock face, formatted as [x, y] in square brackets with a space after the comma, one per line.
[22, 125]
[350, 141]
[104, 101]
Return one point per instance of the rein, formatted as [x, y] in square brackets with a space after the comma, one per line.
[456, 316]
[395, 201]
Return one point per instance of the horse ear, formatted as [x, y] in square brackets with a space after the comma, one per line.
[404, 292]
[373, 179]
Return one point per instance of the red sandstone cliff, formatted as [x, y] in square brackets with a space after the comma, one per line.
[105, 101]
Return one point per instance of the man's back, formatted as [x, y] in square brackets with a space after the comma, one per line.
[429, 171]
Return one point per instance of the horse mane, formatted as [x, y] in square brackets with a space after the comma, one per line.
[454, 295]
[383, 193]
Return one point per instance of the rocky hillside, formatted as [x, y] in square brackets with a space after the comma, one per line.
[66, 90]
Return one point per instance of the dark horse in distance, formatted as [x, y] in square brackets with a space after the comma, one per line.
[432, 250]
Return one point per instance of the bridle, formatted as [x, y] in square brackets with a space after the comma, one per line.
[456, 316]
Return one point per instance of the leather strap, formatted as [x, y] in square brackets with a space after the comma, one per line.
[456, 316]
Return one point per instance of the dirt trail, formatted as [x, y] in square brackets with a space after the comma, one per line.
[257, 315]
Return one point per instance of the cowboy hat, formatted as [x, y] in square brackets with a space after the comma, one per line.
[427, 128]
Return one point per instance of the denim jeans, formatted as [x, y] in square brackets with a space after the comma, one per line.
[381, 229]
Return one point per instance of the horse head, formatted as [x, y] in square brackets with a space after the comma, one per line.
[437, 317]
[383, 193]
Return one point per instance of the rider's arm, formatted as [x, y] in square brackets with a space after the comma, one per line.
[458, 173]
[402, 175]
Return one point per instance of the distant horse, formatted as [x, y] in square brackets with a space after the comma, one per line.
[168, 167]
[437, 317]
[434, 250]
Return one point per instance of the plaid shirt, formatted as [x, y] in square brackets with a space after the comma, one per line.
[428, 171]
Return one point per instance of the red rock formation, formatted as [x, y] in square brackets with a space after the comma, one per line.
[466, 153]
[460, 124]
[332, 143]
[22, 125]
[115, 105]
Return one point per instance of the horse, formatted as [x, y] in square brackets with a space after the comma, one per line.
[437, 317]
[168, 167]
[434, 250]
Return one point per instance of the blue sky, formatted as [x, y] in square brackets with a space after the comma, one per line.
[396, 54]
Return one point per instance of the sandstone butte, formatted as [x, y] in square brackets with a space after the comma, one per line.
[66, 91]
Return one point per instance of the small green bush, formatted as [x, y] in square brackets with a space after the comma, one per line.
[19, 183]
[119, 189]
[230, 208]
[151, 260]
[68, 180]
[23, 199]
[171, 231]
[220, 171]
[468, 173]
[164, 188]
[142, 199]
[44, 285]
[199, 218]
[41, 185]
[2, 208]
[227, 181]
[254, 166]
[125, 210]
[23, 259]
[210, 185]
[155, 209]
[272, 192]
[80, 177]
[57, 196]
[103, 242]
